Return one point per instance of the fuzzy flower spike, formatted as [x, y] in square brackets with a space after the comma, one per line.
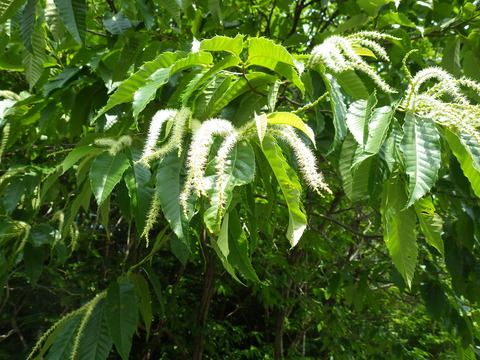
[305, 157]
[444, 101]
[179, 117]
[198, 155]
[338, 53]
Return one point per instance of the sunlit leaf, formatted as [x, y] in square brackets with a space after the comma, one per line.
[421, 148]
[73, 14]
[106, 172]
[290, 187]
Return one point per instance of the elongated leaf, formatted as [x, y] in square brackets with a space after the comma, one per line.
[116, 24]
[263, 47]
[286, 118]
[352, 84]
[431, 223]
[223, 43]
[122, 315]
[378, 128]
[33, 61]
[126, 90]
[291, 189]
[240, 169]
[77, 153]
[355, 174]
[358, 118]
[339, 110]
[143, 293]
[8, 8]
[170, 179]
[266, 53]
[229, 61]
[234, 247]
[173, 8]
[136, 178]
[63, 345]
[13, 192]
[221, 247]
[466, 151]
[255, 80]
[27, 25]
[218, 88]
[96, 343]
[156, 287]
[421, 149]
[74, 14]
[61, 80]
[215, 8]
[147, 93]
[399, 229]
[33, 259]
[106, 172]
[201, 58]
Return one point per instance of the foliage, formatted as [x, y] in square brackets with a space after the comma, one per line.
[320, 153]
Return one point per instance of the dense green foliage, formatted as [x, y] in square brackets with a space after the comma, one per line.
[239, 180]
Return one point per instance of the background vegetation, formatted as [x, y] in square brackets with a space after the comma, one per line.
[79, 84]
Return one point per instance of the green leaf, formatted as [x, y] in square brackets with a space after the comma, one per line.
[264, 52]
[127, 89]
[339, 110]
[143, 293]
[215, 8]
[74, 14]
[240, 170]
[147, 93]
[33, 259]
[8, 8]
[136, 179]
[355, 173]
[122, 315]
[378, 128]
[431, 223]
[228, 61]
[223, 43]
[106, 172]
[201, 58]
[95, 343]
[13, 193]
[33, 61]
[173, 8]
[286, 118]
[116, 24]
[211, 95]
[27, 25]
[352, 84]
[291, 189]
[61, 80]
[465, 149]
[63, 345]
[358, 118]
[233, 245]
[156, 287]
[170, 179]
[221, 247]
[421, 149]
[399, 228]
[253, 80]
[77, 153]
